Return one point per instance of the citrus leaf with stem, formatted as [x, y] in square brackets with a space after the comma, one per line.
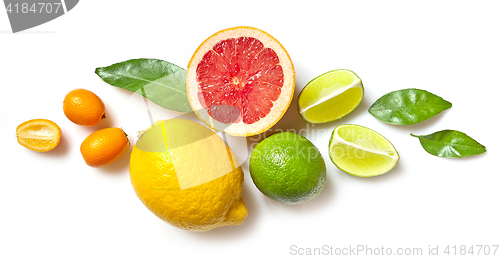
[450, 143]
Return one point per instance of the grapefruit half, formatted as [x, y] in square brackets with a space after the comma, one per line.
[240, 81]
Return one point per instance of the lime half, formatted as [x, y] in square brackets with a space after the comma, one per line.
[330, 96]
[360, 151]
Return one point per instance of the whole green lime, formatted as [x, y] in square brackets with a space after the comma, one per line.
[288, 168]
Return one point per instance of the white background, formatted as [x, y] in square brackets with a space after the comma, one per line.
[52, 205]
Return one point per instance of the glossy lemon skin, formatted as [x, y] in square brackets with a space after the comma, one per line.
[188, 199]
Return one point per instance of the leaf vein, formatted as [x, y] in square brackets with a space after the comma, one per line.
[148, 81]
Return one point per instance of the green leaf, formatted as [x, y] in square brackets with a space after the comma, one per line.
[450, 143]
[408, 106]
[159, 81]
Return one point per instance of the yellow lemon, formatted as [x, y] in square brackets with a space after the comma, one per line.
[187, 176]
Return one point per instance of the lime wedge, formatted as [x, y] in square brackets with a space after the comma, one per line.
[330, 96]
[360, 151]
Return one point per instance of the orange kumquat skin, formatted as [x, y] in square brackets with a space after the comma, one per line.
[104, 146]
[83, 107]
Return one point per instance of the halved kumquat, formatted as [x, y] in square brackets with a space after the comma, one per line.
[39, 135]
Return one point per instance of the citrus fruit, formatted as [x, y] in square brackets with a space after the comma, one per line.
[187, 176]
[39, 135]
[288, 168]
[83, 107]
[330, 96]
[240, 81]
[360, 151]
[104, 146]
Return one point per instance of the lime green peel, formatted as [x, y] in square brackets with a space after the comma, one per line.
[330, 96]
[288, 168]
[360, 151]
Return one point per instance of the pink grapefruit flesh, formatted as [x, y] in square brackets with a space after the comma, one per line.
[240, 81]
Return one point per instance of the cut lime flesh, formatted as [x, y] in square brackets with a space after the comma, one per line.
[330, 96]
[360, 151]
